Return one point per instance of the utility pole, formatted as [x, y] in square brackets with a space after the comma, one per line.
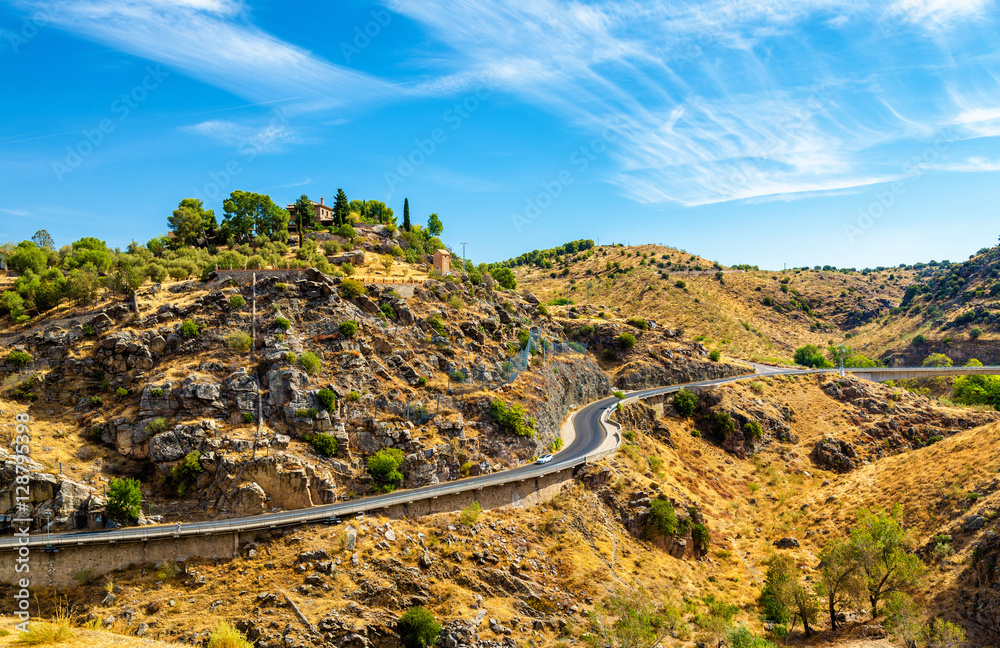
[253, 348]
[463, 244]
[841, 360]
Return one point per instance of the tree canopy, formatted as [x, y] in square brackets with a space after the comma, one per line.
[434, 225]
[250, 214]
[191, 223]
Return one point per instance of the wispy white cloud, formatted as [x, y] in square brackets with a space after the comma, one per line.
[268, 138]
[301, 183]
[20, 213]
[974, 164]
[934, 14]
[720, 100]
[215, 41]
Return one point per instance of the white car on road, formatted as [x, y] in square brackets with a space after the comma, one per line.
[544, 459]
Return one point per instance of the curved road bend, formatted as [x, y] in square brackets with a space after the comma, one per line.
[590, 435]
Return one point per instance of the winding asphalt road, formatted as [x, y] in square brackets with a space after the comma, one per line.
[589, 424]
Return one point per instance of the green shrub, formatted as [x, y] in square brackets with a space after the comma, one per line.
[95, 401]
[327, 399]
[324, 444]
[701, 536]
[609, 354]
[19, 359]
[437, 323]
[282, 323]
[680, 283]
[937, 360]
[721, 426]
[418, 628]
[470, 514]
[310, 363]
[189, 329]
[585, 331]
[685, 403]
[183, 476]
[239, 341]
[157, 425]
[351, 288]
[457, 376]
[383, 466]
[715, 355]
[662, 520]
[226, 636]
[811, 356]
[247, 417]
[919, 340]
[639, 323]
[156, 392]
[303, 412]
[353, 396]
[512, 419]
[626, 340]
[124, 503]
[752, 431]
[348, 328]
[237, 301]
[291, 358]
[121, 392]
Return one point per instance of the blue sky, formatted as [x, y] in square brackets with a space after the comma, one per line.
[767, 132]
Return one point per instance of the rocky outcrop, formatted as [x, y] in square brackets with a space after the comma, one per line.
[673, 370]
[741, 424]
[639, 416]
[123, 352]
[980, 583]
[567, 382]
[286, 483]
[833, 454]
[893, 420]
[70, 505]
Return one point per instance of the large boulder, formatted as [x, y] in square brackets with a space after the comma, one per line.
[282, 383]
[833, 454]
[245, 499]
[241, 389]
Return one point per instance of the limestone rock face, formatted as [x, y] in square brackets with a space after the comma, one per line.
[123, 353]
[71, 505]
[245, 499]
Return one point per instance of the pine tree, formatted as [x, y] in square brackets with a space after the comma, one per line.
[406, 214]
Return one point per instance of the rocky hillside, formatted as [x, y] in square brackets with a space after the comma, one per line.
[505, 576]
[743, 312]
[220, 414]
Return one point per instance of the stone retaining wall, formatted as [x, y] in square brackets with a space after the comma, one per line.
[57, 568]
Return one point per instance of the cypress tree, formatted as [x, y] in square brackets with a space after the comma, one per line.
[341, 207]
[406, 214]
